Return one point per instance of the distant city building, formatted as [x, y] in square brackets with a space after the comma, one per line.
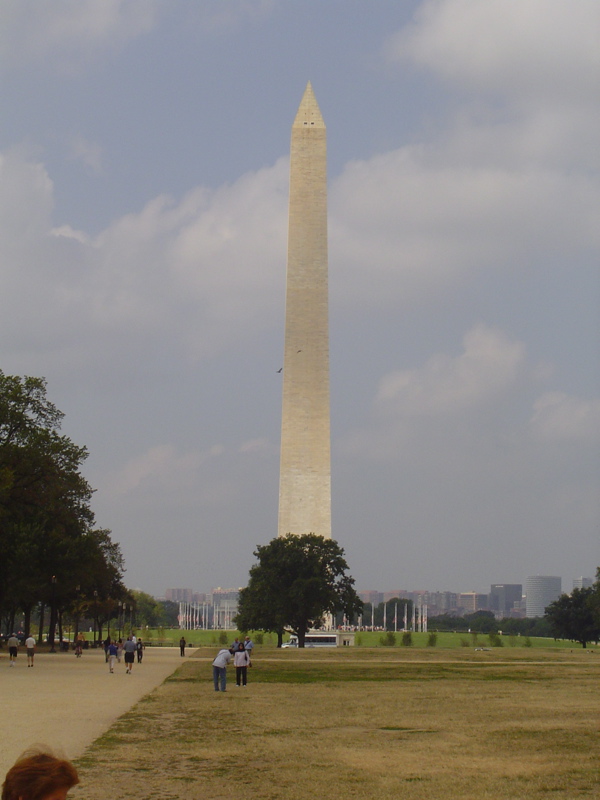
[583, 583]
[397, 593]
[503, 597]
[470, 602]
[373, 598]
[540, 591]
[179, 595]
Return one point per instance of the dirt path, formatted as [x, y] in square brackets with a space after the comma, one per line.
[67, 702]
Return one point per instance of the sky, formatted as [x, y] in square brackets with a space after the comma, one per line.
[144, 158]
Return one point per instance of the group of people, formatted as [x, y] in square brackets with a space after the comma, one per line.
[131, 648]
[241, 653]
[13, 649]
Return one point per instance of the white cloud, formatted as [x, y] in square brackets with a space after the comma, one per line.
[414, 220]
[561, 417]
[531, 48]
[68, 32]
[192, 276]
[161, 468]
[528, 74]
[488, 366]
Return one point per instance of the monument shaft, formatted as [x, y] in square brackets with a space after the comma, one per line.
[305, 467]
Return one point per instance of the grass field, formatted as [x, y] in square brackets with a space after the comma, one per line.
[211, 638]
[427, 723]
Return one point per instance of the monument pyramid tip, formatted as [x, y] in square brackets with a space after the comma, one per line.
[308, 111]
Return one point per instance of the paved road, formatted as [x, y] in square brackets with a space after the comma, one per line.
[68, 702]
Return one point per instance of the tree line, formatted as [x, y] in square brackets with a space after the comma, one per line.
[55, 560]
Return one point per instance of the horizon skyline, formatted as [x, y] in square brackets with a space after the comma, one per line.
[522, 583]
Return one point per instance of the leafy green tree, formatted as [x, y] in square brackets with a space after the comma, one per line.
[169, 613]
[297, 581]
[51, 553]
[575, 616]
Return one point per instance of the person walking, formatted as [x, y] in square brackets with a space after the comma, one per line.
[79, 645]
[240, 662]
[119, 650]
[182, 644]
[219, 666]
[129, 650]
[249, 647]
[30, 645]
[112, 655]
[139, 648]
[13, 648]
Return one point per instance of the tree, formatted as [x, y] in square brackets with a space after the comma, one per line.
[297, 581]
[51, 553]
[575, 616]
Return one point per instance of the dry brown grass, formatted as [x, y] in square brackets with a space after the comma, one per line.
[402, 724]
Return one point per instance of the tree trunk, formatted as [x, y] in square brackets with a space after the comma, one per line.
[27, 619]
[41, 622]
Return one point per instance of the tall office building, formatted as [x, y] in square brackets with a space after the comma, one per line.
[583, 583]
[503, 597]
[540, 591]
[305, 465]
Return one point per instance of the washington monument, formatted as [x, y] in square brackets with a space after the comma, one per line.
[305, 467]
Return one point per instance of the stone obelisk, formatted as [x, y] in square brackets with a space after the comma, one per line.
[305, 467]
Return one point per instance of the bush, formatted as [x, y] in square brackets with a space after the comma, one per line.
[432, 640]
[465, 643]
[495, 640]
[389, 640]
[527, 642]
[407, 639]
[259, 638]
[222, 638]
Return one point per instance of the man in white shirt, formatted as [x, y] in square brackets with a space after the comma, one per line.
[30, 645]
[220, 669]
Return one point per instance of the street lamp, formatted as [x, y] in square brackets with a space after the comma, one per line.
[53, 613]
[95, 614]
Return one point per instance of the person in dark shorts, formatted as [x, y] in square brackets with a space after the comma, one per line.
[13, 648]
[139, 648]
[129, 650]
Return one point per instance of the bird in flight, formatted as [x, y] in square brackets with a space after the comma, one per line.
[280, 369]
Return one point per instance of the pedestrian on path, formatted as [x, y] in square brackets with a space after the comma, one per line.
[140, 647]
[219, 666]
[13, 648]
[39, 775]
[30, 645]
[129, 650]
[182, 644]
[112, 656]
[240, 661]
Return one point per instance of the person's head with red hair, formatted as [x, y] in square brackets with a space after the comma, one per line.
[39, 775]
